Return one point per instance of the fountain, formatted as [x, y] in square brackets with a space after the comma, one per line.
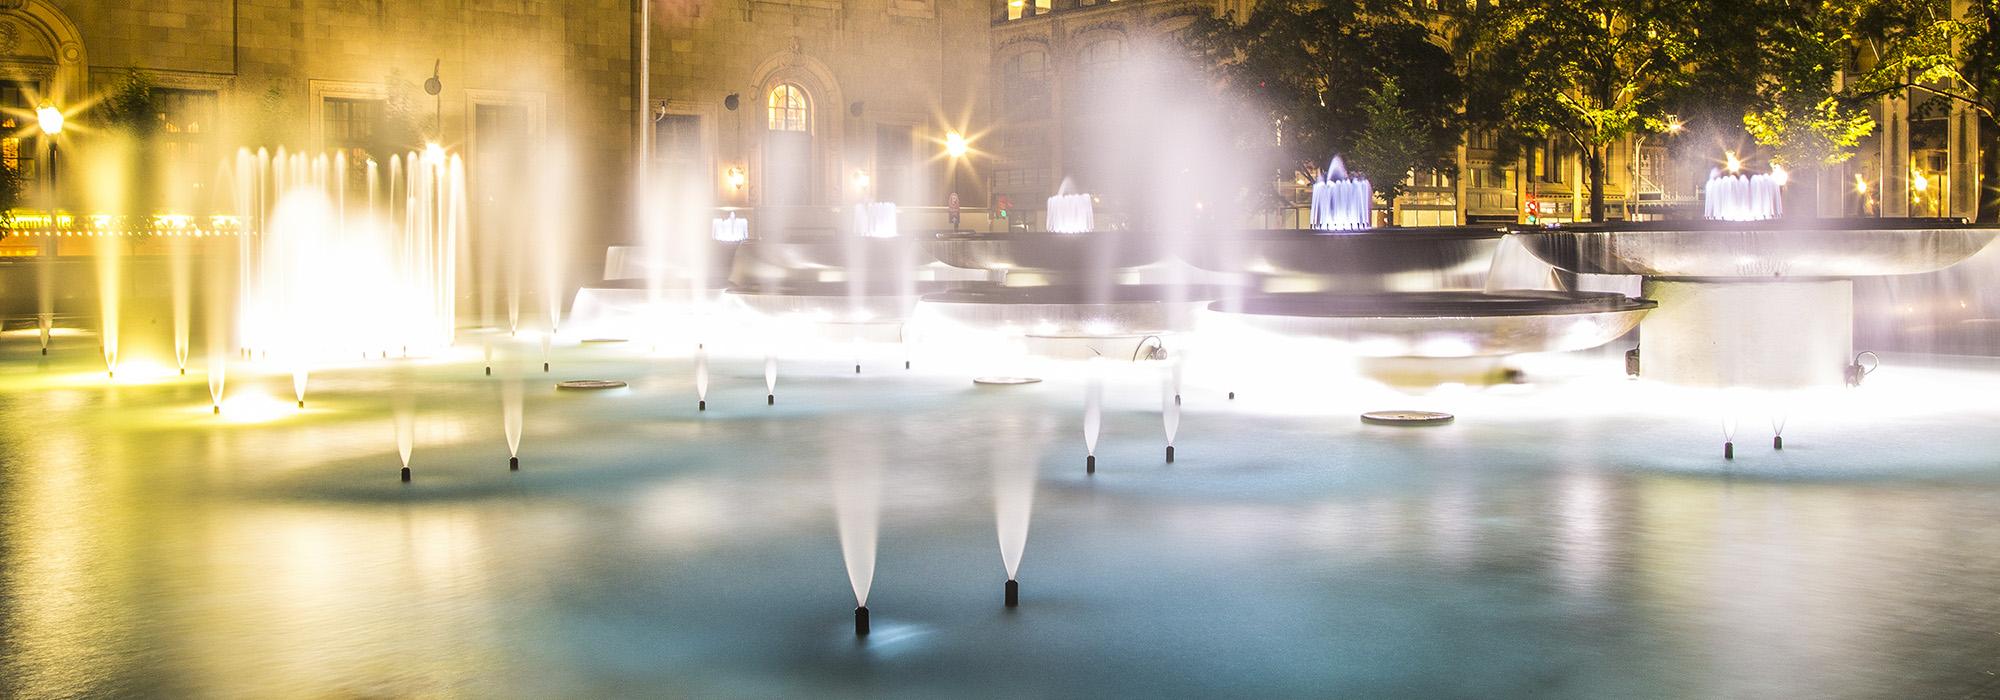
[1761, 303]
[675, 281]
[406, 432]
[1014, 462]
[335, 270]
[701, 378]
[809, 283]
[1170, 404]
[1342, 203]
[1070, 211]
[1417, 306]
[1066, 293]
[1743, 196]
[511, 415]
[1093, 418]
[857, 504]
[875, 220]
[1750, 301]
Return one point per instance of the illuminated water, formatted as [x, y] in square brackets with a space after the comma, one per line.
[1561, 540]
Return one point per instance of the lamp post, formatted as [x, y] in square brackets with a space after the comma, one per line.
[50, 120]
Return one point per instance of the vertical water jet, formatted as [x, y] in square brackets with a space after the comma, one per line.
[511, 419]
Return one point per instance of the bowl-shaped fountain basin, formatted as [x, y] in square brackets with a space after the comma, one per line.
[677, 263]
[835, 252]
[1072, 311]
[1370, 252]
[1449, 324]
[832, 302]
[1780, 248]
[1051, 253]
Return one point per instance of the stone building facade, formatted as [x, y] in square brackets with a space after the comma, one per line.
[876, 83]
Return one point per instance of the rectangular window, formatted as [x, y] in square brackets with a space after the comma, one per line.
[187, 127]
[17, 131]
[351, 125]
[895, 153]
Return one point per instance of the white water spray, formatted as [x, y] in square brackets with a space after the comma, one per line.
[1070, 211]
[701, 373]
[1341, 203]
[511, 414]
[1014, 473]
[857, 504]
[1093, 411]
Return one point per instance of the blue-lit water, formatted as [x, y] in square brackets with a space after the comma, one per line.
[1571, 540]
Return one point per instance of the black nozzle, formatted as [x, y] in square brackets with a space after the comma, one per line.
[406, 475]
[1013, 593]
[1729, 450]
[861, 621]
[1170, 454]
[513, 464]
[1090, 464]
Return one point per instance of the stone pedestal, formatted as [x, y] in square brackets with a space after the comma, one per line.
[1762, 335]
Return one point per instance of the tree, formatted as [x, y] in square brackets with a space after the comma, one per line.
[1919, 45]
[1304, 64]
[1589, 72]
[131, 111]
[1801, 116]
[1391, 145]
[12, 186]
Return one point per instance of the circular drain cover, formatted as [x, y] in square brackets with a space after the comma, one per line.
[1005, 381]
[590, 384]
[1411, 418]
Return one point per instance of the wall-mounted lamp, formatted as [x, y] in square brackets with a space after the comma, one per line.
[735, 177]
[955, 145]
[860, 179]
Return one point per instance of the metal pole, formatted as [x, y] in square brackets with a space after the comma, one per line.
[642, 107]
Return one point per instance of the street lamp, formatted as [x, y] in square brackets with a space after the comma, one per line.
[50, 120]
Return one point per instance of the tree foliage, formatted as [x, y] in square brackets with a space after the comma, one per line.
[1306, 66]
[1391, 145]
[1589, 72]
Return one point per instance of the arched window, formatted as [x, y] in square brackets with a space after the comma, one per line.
[1024, 84]
[789, 111]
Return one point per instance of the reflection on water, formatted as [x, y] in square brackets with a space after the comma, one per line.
[1569, 542]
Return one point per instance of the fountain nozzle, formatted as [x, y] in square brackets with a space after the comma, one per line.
[489, 370]
[218, 409]
[1777, 442]
[1090, 464]
[861, 621]
[302, 403]
[701, 405]
[1170, 454]
[406, 475]
[770, 399]
[513, 464]
[1729, 450]
[1013, 593]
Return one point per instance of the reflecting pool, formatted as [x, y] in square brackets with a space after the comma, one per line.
[1575, 537]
